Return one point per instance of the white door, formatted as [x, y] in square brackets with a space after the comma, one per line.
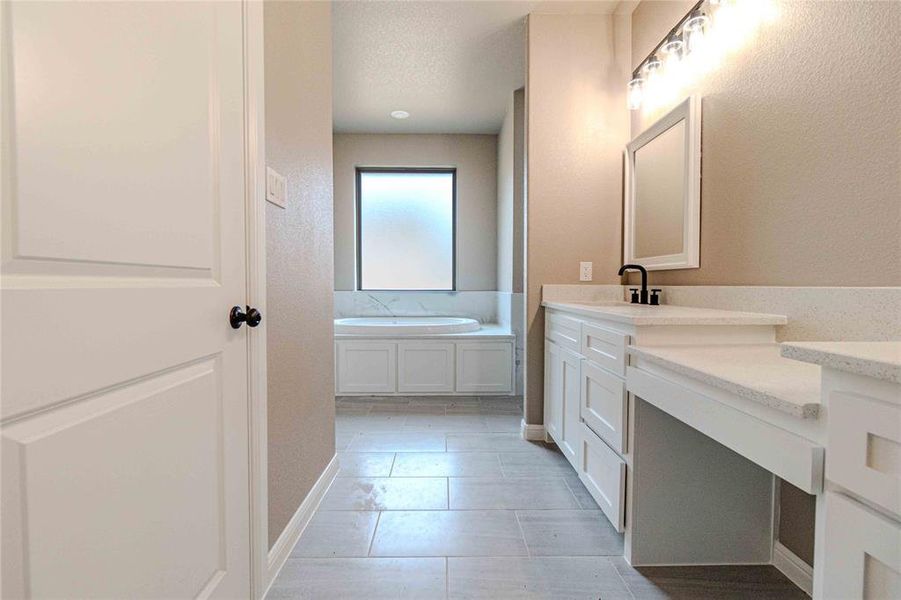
[553, 391]
[570, 382]
[124, 389]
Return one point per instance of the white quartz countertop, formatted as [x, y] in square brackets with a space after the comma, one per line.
[757, 372]
[880, 360]
[666, 314]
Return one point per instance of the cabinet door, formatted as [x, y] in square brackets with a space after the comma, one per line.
[553, 400]
[604, 476]
[367, 367]
[863, 552]
[425, 367]
[569, 392]
[485, 367]
[604, 405]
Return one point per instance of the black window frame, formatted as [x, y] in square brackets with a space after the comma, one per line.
[358, 205]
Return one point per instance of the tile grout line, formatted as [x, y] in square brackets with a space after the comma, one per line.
[375, 529]
[522, 532]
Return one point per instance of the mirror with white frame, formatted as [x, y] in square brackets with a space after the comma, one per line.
[663, 191]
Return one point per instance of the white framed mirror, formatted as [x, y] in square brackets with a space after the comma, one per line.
[662, 213]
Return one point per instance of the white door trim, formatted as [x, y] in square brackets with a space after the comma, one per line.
[255, 196]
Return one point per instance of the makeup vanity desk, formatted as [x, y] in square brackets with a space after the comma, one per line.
[678, 420]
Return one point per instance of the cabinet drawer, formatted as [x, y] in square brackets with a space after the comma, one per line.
[603, 405]
[863, 552]
[563, 330]
[604, 475]
[604, 347]
[863, 448]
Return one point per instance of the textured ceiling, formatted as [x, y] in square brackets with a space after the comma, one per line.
[450, 64]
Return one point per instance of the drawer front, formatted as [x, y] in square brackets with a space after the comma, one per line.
[563, 330]
[604, 475]
[863, 552]
[863, 448]
[604, 347]
[603, 405]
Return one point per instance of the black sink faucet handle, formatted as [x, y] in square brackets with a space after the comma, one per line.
[655, 298]
[634, 295]
[643, 297]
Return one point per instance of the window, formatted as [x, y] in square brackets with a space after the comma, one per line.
[405, 229]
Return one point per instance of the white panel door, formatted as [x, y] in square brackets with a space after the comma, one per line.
[553, 390]
[368, 367]
[425, 367]
[569, 441]
[124, 389]
[485, 367]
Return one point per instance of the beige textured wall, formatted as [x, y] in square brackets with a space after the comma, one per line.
[510, 189]
[474, 156]
[519, 188]
[576, 129]
[299, 253]
[505, 201]
[801, 154]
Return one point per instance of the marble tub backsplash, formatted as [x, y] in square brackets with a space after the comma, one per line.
[481, 306]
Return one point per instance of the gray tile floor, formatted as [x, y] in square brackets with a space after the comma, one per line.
[441, 498]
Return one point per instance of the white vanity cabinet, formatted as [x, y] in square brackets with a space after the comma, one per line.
[859, 517]
[585, 405]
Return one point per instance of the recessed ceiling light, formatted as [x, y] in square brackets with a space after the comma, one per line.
[399, 114]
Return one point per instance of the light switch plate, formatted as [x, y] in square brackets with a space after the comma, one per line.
[276, 188]
[585, 273]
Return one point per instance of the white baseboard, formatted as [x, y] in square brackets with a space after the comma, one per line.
[533, 433]
[797, 571]
[285, 543]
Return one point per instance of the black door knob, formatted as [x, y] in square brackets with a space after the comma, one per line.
[238, 317]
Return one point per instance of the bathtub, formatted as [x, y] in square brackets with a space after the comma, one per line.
[403, 326]
[378, 356]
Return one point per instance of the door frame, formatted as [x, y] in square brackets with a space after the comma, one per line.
[255, 206]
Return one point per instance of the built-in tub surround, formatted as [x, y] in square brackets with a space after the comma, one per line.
[422, 356]
[501, 310]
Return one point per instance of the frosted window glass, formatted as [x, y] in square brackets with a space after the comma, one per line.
[406, 225]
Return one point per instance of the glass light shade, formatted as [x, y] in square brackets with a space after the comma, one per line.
[695, 29]
[636, 93]
[652, 66]
[672, 51]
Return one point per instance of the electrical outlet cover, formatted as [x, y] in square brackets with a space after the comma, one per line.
[585, 271]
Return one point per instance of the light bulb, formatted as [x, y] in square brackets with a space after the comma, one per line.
[636, 93]
[672, 51]
[652, 68]
[695, 30]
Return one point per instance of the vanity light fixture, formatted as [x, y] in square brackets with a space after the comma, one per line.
[693, 46]
[636, 91]
[695, 29]
[399, 114]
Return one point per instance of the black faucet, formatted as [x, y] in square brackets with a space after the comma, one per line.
[643, 299]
